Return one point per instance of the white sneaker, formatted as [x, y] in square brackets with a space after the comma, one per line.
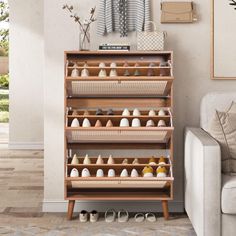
[102, 65]
[86, 123]
[150, 123]
[136, 112]
[136, 122]
[102, 73]
[94, 215]
[111, 173]
[74, 173]
[161, 123]
[152, 113]
[113, 65]
[75, 73]
[161, 112]
[84, 73]
[75, 160]
[85, 173]
[113, 73]
[87, 160]
[124, 122]
[126, 112]
[124, 173]
[83, 216]
[100, 173]
[134, 173]
[75, 123]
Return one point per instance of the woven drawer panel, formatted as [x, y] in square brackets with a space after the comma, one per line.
[118, 88]
[116, 135]
[118, 184]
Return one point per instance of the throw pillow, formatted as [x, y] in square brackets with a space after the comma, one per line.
[223, 129]
[232, 108]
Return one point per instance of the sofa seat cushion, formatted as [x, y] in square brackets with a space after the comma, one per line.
[228, 195]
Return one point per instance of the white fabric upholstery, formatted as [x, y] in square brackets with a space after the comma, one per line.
[228, 195]
[212, 102]
[203, 182]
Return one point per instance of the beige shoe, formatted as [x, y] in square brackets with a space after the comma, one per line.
[87, 160]
[98, 123]
[99, 160]
[125, 161]
[109, 123]
[135, 161]
[75, 160]
[110, 160]
[83, 216]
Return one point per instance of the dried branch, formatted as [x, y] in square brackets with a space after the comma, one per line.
[84, 27]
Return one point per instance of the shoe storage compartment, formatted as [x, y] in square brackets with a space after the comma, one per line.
[144, 80]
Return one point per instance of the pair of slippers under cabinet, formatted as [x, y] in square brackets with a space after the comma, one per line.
[84, 215]
[122, 216]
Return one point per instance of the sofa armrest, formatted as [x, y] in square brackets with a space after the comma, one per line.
[203, 182]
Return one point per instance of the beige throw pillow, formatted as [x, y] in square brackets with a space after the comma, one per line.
[223, 129]
[232, 108]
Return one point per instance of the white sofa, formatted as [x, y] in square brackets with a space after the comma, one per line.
[210, 196]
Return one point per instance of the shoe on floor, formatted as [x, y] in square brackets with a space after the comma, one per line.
[93, 216]
[123, 216]
[110, 215]
[150, 217]
[139, 217]
[83, 216]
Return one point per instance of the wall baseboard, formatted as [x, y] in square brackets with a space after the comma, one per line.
[26, 145]
[102, 206]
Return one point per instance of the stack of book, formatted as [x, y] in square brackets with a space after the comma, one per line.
[114, 47]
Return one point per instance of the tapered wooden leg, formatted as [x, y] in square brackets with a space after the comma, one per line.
[71, 205]
[165, 209]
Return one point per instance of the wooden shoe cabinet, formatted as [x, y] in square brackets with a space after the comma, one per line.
[134, 91]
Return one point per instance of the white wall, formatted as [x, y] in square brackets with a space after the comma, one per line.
[26, 74]
[191, 46]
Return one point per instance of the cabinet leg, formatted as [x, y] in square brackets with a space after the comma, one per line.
[71, 205]
[165, 209]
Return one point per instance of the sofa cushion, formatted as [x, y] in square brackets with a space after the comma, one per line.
[228, 195]
[223, 129]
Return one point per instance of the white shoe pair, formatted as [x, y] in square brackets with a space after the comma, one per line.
[75, 173]
[93, 216]
[140, 217]
[75, 123]
[122, 216]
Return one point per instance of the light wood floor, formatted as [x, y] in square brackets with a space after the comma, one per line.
[21, 195]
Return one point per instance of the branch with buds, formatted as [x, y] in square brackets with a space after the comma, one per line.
[84, 27]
